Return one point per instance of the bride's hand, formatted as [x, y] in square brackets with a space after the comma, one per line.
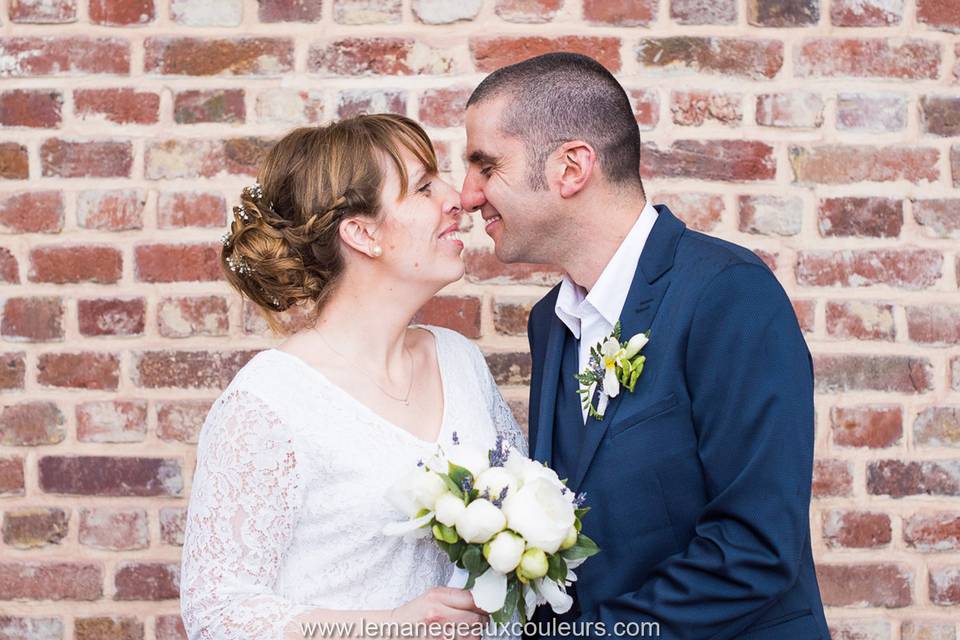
[445, 606]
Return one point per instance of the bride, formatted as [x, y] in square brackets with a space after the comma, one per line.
[295, 458]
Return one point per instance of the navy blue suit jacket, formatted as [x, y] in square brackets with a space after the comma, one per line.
[699, 480]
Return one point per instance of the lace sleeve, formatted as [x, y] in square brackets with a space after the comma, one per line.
[247, 491]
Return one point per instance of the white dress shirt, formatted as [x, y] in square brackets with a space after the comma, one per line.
[590, 316]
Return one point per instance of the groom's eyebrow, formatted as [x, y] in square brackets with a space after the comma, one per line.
[481, 157]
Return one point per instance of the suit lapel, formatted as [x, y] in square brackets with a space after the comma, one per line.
[639, 310]
[543, 447]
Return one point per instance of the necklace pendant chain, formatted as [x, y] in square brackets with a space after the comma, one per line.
[406, 397]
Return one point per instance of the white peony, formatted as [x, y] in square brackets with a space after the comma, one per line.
[448, 509]
[474, 460]
[417, 490]
[540, 513]
[479, 521]
[504, 551]
[494, 480]
[527, 470]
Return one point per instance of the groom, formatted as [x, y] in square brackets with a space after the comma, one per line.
[699, 480]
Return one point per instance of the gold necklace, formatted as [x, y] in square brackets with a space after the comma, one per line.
[406, 398]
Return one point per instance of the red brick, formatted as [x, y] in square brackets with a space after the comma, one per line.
[45, 12]
[218, 56]
[108, 628]
[114, 529]
[290, 321]
[490, 53]
[359, 101]
[932, 531]
[111, 316]
[171, 159]
[170, 627]
[378, 56]
[939, 218]
[113, 210]
[181, 420]
[29, 528]
[62, 265]
[848, 164]
[9, 269]
[147, 581]
[739, 57]
[783, 13]
[866, 13]
[955, 374]
[244, 156]
[110, 477]
[865, 585]
[12, 372]
[699, 211]
[204, 13]
[483, 266]
[31, 424]
[862, 217]
[82, 370]
[529, 11]
[873, 426]
[924, 630]
[173, 521]
[11, 476]
[112, 421]
[944, 585]
[63, 56]
[934, 324]
[903, 268]
[425, 11]
[859, 630]
[895, 374]
[37, 580]
[31, 212]
[856, 529]
[510, 316]
[194, 316]
[793, 110]
[956, 67]
[940, 115]
[937, 427]
[36, 108]
[33, 319]
[621, 13]
[290, 106]
[897, 478]
[721, 160]
[14, 162]
[510, 368]
[770, 215]
[177, 262]
[693, 108]
[939, 14]
[462, 314]
[646, 108]
[121, 106]
[909, 59]
[703, 11]
[955, 159]
[290, 10]
[878, 112]
[121, 12]
[209, 105]
[861, 320]
[18, 628]
[188, 369]
[104, 159]
[443, 107]
[805, 311]
[769, 258]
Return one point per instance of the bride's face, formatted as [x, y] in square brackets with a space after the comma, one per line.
[419, 230]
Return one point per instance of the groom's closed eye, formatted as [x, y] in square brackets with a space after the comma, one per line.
[485, 161]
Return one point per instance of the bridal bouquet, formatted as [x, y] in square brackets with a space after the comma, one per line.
[507, 521]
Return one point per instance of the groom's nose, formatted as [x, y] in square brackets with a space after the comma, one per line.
[471, 196]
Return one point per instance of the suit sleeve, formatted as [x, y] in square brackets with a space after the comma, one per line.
[750, 380]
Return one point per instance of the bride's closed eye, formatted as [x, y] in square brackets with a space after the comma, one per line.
[425, 189]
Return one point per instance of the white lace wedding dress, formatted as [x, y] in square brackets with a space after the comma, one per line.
[288, 501]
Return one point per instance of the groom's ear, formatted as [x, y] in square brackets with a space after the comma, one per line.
[573, 165]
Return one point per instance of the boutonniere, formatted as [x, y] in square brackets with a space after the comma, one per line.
[612, 364]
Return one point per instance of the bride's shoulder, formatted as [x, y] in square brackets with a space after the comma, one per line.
[268, 377]
[450, 341]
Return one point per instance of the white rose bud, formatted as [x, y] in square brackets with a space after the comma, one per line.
[636, 343]
[533, 564]
[541, 514]
[448, 509]
[479, 521]
[494, 480]
[504, 551]
[470, 458]
[570, 540]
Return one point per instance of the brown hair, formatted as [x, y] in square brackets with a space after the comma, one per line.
[283, 248]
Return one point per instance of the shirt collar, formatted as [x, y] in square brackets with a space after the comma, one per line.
[609, 293]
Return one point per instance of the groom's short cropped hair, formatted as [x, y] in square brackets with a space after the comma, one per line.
[558, 97]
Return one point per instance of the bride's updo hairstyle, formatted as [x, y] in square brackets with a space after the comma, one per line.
[283, 247]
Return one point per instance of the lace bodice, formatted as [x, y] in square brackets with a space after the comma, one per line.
[288, 495]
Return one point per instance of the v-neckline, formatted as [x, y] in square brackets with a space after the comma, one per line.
[389, 423]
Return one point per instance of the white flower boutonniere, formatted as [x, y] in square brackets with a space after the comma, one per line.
[612, 364]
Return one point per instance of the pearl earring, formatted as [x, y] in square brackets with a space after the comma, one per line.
[376, 251]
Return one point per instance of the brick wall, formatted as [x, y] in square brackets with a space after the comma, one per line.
[823, 134]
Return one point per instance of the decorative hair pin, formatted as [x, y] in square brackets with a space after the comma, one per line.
[253, 193]
[245, 214]
[239, 265]
[226, 239]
